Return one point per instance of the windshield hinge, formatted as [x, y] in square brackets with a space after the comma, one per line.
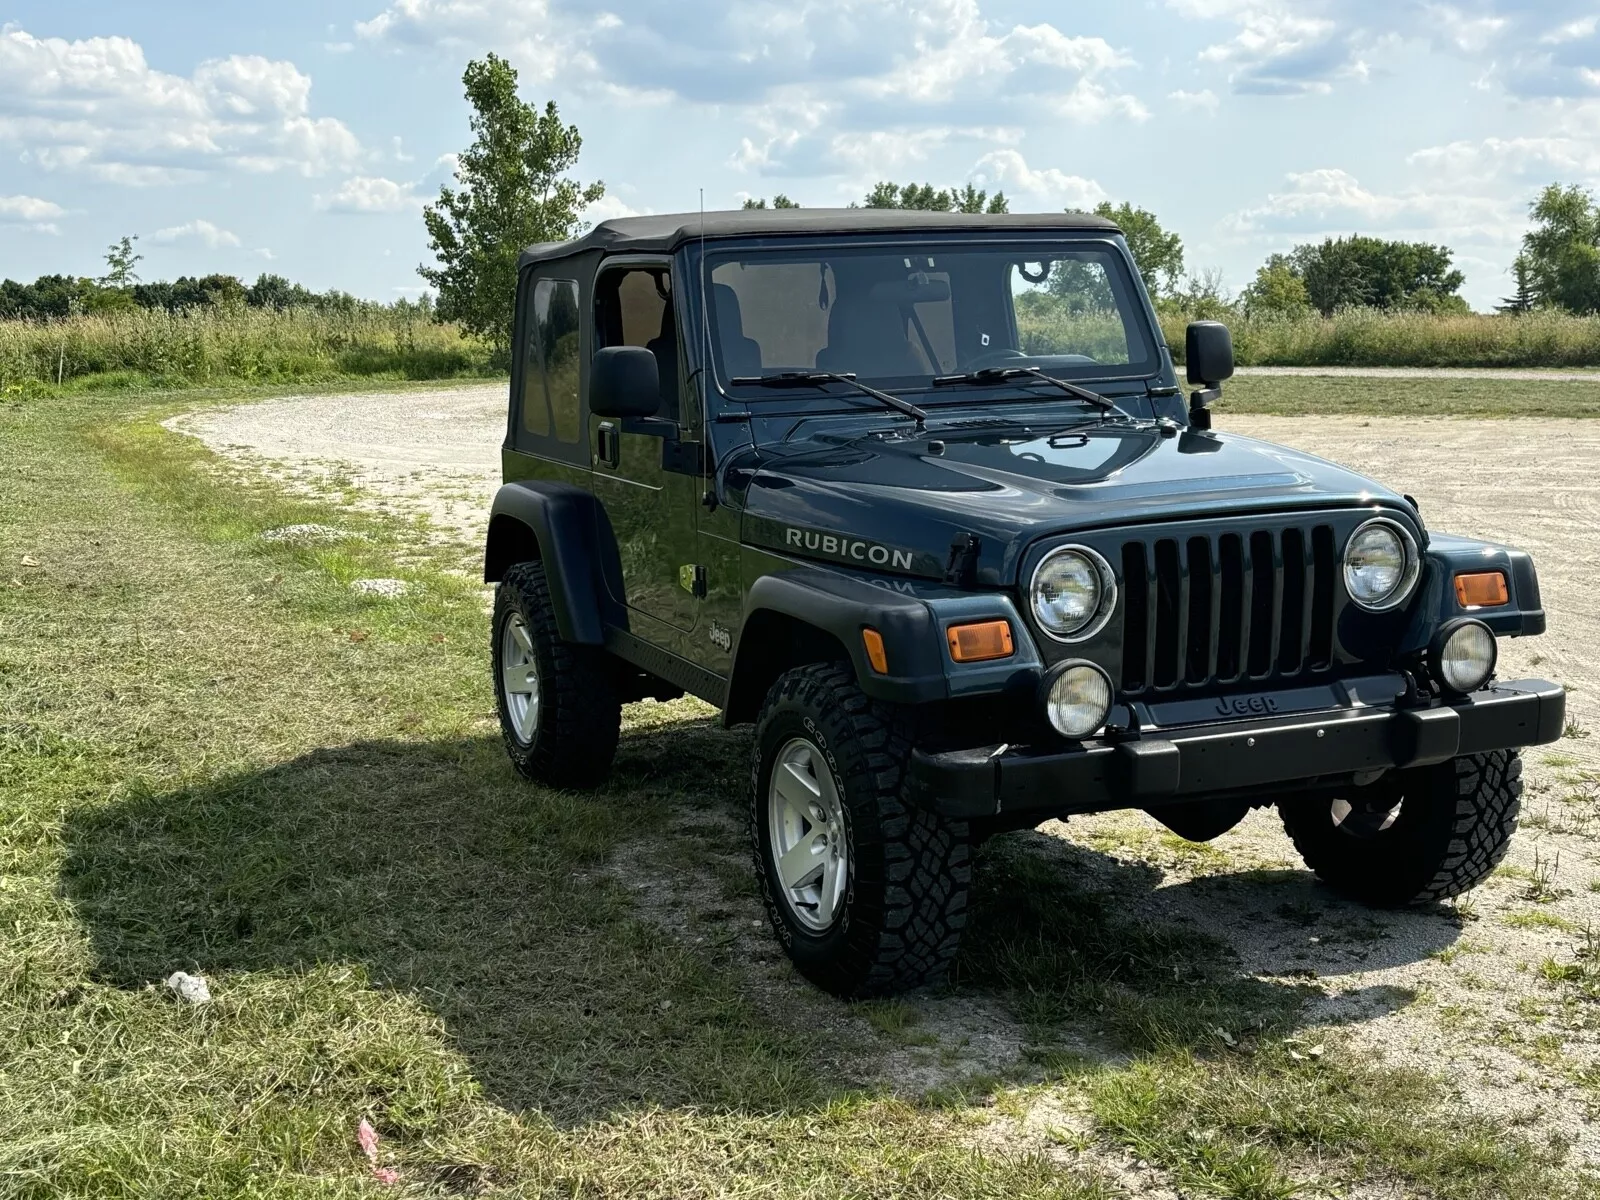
[962, 569]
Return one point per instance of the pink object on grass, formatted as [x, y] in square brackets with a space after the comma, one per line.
[368, 1137]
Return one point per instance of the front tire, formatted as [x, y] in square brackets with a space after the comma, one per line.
[867, 893]
[1428, 835]
[559, 712]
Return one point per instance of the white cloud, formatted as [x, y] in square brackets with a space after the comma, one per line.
[30, 210]
[1044, 188]
[1470, 33]
[1202, 101]
[371, 194]
[1332, 202]
[1535, 159]
[197, 230]
[95, 106]
[609, 206]
[821, 85]
[1572, 31]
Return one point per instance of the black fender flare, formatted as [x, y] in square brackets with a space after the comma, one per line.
[841, 607]
[566, 528]
[1447, 554]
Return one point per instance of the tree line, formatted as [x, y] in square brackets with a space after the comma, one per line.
[120, 289]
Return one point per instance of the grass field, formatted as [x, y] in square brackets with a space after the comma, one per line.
[1484, 396]
[143, 349]
[216, 757]
[1371, 338]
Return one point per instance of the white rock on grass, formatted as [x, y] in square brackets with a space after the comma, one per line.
[305, 535]
[385, 589]
[191, 989]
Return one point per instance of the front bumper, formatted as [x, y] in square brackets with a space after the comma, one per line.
[1200, 761]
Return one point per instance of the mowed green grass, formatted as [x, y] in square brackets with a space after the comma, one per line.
[1479, 396]
[215, 758]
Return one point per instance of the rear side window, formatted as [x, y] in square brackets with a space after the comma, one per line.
[550, 402]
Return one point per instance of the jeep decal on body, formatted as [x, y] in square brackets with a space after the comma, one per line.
[846, 549]
[836, 545]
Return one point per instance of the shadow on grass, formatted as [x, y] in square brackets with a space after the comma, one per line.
[489, 901]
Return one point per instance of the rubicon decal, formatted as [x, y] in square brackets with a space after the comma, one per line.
[835, 545]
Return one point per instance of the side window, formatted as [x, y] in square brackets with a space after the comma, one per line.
[535, 404]
[556, 318]
[633, 307]
[550, 402]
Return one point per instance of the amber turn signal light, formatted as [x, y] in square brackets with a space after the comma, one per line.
[980, 642]
[872, 640]
[1484, 589]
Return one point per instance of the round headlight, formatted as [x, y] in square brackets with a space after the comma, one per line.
[1073, 593]
[1077, 698]
[1463, 656]
[1380, 565]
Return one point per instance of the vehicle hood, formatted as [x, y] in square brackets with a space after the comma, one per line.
[1012, 486]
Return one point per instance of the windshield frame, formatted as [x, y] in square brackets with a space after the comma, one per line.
[1140, 319]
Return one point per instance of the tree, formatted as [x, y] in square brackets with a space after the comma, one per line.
[1278, 288]
[1525, 300]
[778, 201]
[513, 191]
[277, 293]
[1562, 250]
[1157, 253]
[925, 198]
[120, 261]
[1370, 272]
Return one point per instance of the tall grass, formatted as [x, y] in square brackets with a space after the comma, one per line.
[1370, 338]
[145, 348]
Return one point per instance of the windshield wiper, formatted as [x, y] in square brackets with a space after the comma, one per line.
[782, 379]
[992, 375]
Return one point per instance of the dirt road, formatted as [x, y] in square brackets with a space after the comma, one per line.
[1461, 991]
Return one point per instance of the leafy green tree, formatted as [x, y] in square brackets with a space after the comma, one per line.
[1278, 288]
[926, 198]
[778, 201]
[513, 191]
[1562, 250]
[1157, 253]
[120, 263]
[1365, 271]
[277, 293]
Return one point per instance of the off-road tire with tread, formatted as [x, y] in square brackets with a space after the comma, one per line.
[910, 870]
[580, 716]
[1455, 825]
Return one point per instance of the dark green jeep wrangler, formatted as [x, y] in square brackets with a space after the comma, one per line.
[919, 495]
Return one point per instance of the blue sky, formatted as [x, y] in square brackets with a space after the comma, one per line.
[303, 138]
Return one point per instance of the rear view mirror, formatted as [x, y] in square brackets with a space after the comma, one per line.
[1208, 357]
[624, 381]
[1208, 353]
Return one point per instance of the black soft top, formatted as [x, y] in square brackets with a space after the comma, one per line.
[664, 233]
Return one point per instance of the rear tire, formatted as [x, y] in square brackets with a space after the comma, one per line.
[1432, 833]
[871, 896]
[559, 712]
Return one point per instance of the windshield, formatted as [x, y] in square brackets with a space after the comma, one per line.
[901, 316]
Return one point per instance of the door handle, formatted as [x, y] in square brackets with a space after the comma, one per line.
[609, 448]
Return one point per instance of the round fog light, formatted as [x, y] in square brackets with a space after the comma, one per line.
[1077, 698]
[1464, 656]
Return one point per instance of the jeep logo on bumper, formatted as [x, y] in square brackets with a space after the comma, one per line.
[849, 549]
[1246, 706]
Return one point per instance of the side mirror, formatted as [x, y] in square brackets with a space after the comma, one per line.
[1208, 357]
[624, 381]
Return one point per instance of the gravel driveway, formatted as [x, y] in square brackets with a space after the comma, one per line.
[1460, 991]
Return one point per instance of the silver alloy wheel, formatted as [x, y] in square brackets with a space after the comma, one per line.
[519, 676]
[807, 836]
